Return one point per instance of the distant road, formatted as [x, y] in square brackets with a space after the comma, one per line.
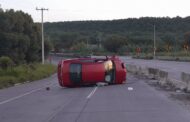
[173, 67]
[31, 102]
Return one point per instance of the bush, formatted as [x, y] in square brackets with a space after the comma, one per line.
[5, 62]
[7, 81]
[114, 43]
[23, 73]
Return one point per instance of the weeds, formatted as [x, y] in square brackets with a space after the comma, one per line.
[23, 73]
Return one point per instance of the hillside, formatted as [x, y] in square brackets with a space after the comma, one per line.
[169, 31]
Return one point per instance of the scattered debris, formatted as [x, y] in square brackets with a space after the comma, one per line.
[130, 88]
[101, 84]
[178, 91]
[47, 88]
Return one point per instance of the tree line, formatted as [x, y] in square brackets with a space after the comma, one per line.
[122, 35]
[20, 37]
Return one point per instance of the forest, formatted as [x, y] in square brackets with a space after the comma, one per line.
[20, 37]
[20, 49]
[125, 35]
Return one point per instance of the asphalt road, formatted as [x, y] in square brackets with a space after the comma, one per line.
[31, 102]
[174, 68]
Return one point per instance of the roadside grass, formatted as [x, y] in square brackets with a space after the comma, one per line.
[23, 73]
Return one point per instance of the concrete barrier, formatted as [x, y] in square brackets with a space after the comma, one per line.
[137, 70]
[153, 73]
[173, 83]
[128, 66]
[176, 84]
[185, 77]
[163, 78]
[132, 68]
[143, 71]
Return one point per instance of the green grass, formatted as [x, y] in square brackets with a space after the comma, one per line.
[23, 73]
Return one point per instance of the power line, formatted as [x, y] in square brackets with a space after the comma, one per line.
[42, 14]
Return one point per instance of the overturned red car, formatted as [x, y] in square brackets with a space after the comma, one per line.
[87, 71]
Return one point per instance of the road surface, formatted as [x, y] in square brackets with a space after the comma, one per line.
[31, 102]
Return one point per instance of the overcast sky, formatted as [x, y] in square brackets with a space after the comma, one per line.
[69, 10]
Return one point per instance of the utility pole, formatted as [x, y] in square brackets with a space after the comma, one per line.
[154, 42]
[42, 14]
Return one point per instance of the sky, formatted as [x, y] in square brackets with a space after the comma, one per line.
[74, 10]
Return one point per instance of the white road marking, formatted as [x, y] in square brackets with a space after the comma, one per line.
[91, 93]
[25, 94]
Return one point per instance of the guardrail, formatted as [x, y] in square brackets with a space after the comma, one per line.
[162, 77]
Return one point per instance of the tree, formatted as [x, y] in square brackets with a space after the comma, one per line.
[114, 43]
[20, 37]
[5, 62]
[139, 32]
[186, 43]
[187, 38]
[168, 42]
[47, 47]
[34, 51]
[80, 47]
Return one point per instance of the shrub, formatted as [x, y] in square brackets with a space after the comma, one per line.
[23, 73]
[5, 62]
[6, 81]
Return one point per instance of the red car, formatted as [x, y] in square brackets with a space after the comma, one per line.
[86, 71]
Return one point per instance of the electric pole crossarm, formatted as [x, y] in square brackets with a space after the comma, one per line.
[42, 9]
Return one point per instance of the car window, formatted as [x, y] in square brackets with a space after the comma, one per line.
[75, 73]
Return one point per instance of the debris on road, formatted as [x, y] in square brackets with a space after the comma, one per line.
[47, 88]
[178, 91]
[130, 88]
[101, 84]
